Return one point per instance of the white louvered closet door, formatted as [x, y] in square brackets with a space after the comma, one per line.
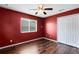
[77, 30]
[68, 30]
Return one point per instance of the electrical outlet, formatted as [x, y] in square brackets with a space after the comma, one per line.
[11, 41]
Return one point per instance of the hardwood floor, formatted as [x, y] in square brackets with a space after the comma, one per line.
[41, 47]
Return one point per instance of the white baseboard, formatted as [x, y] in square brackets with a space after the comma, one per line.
[27, 42]
[21, 43]
[49, 39]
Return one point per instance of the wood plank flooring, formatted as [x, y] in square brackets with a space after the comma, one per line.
[41, 46]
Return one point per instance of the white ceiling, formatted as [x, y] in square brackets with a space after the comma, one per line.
[25, 8]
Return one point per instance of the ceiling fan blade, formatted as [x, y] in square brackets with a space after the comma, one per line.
[36, 13]
[33, 9]
[45, 13]
[48, 9]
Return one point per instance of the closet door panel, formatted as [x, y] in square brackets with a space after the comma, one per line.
[60, 32]
[77, 30]
[68, 30]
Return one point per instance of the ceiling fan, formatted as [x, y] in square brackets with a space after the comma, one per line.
[41, 9]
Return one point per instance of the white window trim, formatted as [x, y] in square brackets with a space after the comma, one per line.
[26, 19]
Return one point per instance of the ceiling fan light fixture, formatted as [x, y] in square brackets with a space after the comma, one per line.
[40, 11]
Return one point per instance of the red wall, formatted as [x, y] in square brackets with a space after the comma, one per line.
[51, 23]
[10, 27]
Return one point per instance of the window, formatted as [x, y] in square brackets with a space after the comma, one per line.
[28, 25]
